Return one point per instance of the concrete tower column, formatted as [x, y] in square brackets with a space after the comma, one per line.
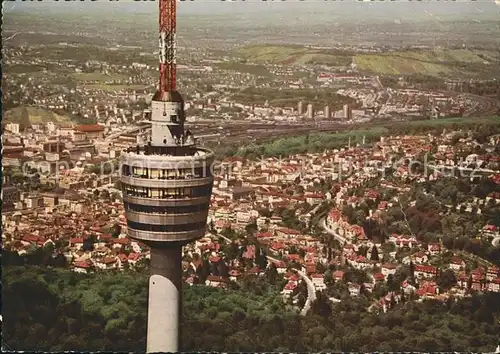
[165, 293]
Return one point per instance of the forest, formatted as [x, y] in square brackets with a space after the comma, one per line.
[49, 309]
[319, 141]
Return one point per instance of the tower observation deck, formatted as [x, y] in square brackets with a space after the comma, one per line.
[167, 186]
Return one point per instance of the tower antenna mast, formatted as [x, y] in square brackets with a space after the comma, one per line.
[168, 46]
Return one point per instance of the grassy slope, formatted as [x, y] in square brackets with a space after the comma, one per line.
[290, 54]
[433, 63]
[97, 80]
[96, 76]
[36, 116]
[319, 141]
[114, 88]
[257, 70]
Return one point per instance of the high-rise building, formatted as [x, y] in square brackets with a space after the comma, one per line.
[310, 111]
[327, 112]
[347, 112]
[166, 185]
[300, 108]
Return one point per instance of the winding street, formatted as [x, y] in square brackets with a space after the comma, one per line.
[311, 293]
[496, 241]
[339, 238]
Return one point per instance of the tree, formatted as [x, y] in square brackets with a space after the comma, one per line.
[391, 283]
[265, 212]
[469, 282]
[55, 310]
[203, 271]
[461, 242]
[116, 230]
[360, 217]
[88, 243]
[260, 258]
[321, 306]
[211, 227]
[271, 274]
[392, 303]
[446, 279]
[116, 196]
[231, 251]
[412, 269]
[223, 269]
[374, 254]
[251, 228]
[49, 248]
[105, 194]
[301, 300]
[379, 290]
[448, 241]
[362, 251]
[402, 296]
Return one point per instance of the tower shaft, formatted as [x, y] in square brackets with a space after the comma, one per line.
[168, 46]
[165, 292]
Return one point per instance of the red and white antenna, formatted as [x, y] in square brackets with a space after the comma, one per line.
[168, 24]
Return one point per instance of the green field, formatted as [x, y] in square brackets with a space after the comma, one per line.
[290, 54]
[433, 63]
[114, 88]
[96, 76]
[23, 68]
[319, 141]
[33, 115]
[97, 81]
[446, 62]
[255, 69]
[455, 120]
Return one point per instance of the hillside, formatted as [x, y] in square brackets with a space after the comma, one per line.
[33, 115]
[291, 54]
[457, 62]
[49, 309]
[447, 62]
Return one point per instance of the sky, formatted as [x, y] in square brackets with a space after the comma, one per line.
[219, 7]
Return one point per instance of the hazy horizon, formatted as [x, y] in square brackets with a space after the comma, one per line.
[378, 10]
[255, 21]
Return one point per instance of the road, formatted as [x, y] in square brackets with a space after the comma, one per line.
[496, 241]
[473, 257]
[379, 84]
[128, 131]
[225, 238]
[484, 171]
[311, 293]
[331, 232]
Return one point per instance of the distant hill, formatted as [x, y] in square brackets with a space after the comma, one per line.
[26, 116]
[452, 62]
[292, 54]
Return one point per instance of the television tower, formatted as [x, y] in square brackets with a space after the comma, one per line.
[167, 185]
